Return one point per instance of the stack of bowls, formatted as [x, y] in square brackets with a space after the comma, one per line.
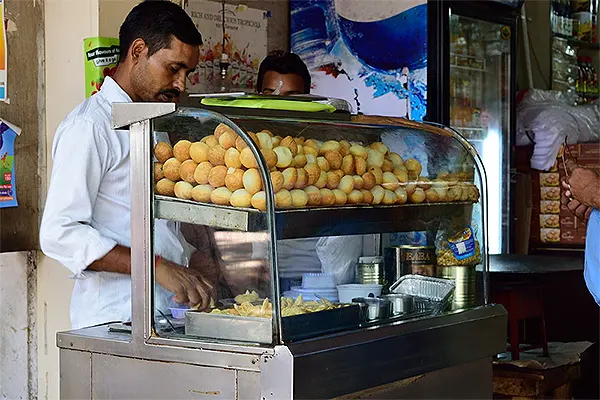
[315, 284]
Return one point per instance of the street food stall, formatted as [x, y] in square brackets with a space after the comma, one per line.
[400, 325]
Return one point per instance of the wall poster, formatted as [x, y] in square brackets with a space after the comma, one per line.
[3, 53]
[374, 56]
[8, 190]
[245, 43]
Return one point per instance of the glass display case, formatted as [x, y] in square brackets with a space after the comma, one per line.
[312, 179]
[252, 203]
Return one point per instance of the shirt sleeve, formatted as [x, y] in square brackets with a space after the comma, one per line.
[591, 271]
[81, 158]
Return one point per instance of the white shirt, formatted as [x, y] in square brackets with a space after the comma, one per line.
[88, 210]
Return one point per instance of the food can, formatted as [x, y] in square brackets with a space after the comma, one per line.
[418, 260]
[369, 270]
[392, 263]
[464, 284]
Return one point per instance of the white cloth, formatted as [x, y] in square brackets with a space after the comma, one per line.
[87, 211]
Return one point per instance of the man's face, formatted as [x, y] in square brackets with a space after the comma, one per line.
[290, 83]
[161, 77]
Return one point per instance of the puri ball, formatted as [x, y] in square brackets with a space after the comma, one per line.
[314, 195]
[327, 197]
[367, 196]
[360, 165]
[220, 196]
[369, 180]
[390, 182]
[348, 165]
[299, 198]
[216, 155]
[199, 152]
[300, 161]
[418, 196]
[330, 145]
[378, 173]
[395, 159]
[163, 151]
[401, 174]
[284, 156]
[378, 192]
[259, 201]
[341, 197]
[387, 166]
[221, 129]
[283, 199]
[247, 158]
[290, 175]
[290, 143]
[401, 195]
[358, 151]
[374, 158]
[181, 150]
[201, 172]
[359, 182]
[241, 198]
[344, 147]
[232, 158]
[322, 181]
[302, 179]
[333, 180]
[347, 184]
[234, 179]
[171, 169]
[227, 140]
[334, 158]
[158, 171]
[202, 193]
[389, 197]
[380, 147]
[210, 140]
[277, 181]
[165, 187]
[183, 190]
[413, 167]
[265, 141]
[270, 157]
[216, 176]
[252, 181]
[355, 197]
[187, 169]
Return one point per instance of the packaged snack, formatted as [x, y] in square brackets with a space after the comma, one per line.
[101, 59]
[459, 249]
[549, 221]
[550, 193]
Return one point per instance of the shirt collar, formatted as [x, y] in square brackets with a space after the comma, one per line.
[113, 92]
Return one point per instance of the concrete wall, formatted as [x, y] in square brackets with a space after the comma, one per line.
[64, 75]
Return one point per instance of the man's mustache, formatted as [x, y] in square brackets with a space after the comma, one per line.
[171, 93]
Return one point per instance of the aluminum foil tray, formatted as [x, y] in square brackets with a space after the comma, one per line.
[431, 293]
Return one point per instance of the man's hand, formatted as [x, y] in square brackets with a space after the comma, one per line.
[189, 286]
[584, 186]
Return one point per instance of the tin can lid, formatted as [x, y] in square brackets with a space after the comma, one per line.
[370, 260]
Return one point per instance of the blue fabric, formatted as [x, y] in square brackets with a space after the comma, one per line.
[592, 256]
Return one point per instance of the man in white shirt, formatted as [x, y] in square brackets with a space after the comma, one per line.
[86, 222]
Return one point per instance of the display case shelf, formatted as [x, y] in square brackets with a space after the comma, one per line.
[309, 222]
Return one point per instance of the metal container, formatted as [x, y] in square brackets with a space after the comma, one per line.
[369, 270]
[430, 293]
[392, 263]
[464, 284]
[401, 303]
[418, 260]
[373, 308]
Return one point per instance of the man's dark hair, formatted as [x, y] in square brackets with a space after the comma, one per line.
[156, 22]
[284, 63]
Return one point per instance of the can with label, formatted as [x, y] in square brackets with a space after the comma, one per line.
[418, 260]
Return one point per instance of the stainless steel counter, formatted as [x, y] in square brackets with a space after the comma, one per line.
[534, 263]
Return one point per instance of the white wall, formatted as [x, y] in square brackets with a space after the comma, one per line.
[67, 23]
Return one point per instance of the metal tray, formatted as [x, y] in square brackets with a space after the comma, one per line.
[258, 330]
[309, 222]
[430, 293]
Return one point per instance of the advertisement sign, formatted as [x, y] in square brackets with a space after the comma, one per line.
[374, 57]
[245, 43]
[101, 59]
[3, 54]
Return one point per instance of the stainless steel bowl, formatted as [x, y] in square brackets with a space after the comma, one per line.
[373, 308]
[401, 303]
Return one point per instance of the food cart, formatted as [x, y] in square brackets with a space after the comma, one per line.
[271, 347]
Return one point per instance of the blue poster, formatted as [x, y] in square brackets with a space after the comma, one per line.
[8, 134]
[372, 54]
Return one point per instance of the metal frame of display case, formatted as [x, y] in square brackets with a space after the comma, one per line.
[312, 368]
